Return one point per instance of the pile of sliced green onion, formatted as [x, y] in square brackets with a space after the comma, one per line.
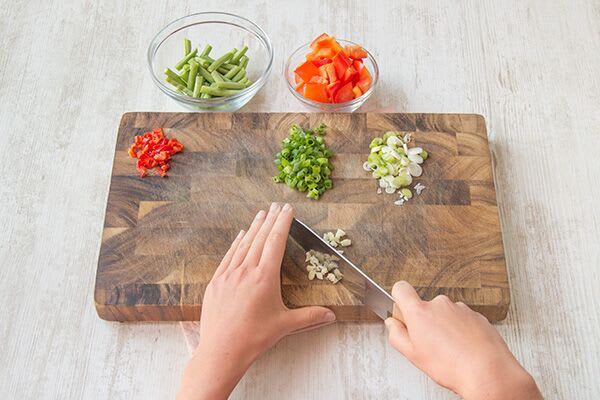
[303, 161]
[393, 163]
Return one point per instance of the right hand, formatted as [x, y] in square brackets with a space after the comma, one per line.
[457, 347]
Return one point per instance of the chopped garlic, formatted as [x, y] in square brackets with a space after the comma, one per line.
[322, 266]
[419, 188]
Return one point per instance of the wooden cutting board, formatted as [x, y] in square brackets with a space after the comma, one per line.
[163, 237]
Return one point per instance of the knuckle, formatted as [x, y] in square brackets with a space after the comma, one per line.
[442, 299]
[416, 309]
[275, 237]
[481, 316]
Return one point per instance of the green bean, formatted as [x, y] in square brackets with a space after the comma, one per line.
[184, 73]
[214, 91]
[230, 85]
[238, 54]
[201, 76]
[197, 85]
[171, 74]
[239, 76]
[217, 76]
[192, 76]
[217, 63]
[179, 87]
[232, 72]
[202, 61]
[202, 71]
[208, 59]
[187, 46]
[185, 59]
[244, 61]
[206, 50]
[186, 91]
[173, 82]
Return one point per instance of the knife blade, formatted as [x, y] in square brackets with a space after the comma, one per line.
[355, 280]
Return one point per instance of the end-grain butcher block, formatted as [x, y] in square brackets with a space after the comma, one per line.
[164, 237]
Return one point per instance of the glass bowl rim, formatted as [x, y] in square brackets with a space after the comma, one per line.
[168, 29]
[317, 104]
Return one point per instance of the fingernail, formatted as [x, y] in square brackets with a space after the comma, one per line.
[329, 316]
[260, 214]
[240, 234]
[274, 207]
[387, 322]
[287, 207]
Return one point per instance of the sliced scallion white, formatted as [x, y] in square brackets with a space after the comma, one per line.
[394, 164]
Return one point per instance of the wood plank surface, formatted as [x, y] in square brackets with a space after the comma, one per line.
[72, 68]
[164, 236]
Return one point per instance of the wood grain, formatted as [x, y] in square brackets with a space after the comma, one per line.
[72, 68]
[165, 236]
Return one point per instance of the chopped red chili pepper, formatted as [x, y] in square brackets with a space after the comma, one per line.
[153, 149]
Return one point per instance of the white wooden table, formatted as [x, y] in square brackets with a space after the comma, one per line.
[71, 68]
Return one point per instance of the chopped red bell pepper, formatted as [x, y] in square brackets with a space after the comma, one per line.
[316, 92]
[325, 41]
[315, 43]
[153, 149]
[364, 83]
[321, 62]
[341, 62]
[344, 94]
[307, 71]
[355, 51]
[332, 73]
[358, 65]
[351, 75]
[319, 79]
[333, 87]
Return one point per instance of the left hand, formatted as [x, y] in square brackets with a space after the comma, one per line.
[243, 314]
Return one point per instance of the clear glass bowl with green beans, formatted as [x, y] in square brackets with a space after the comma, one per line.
[210, 61]
[298, 57]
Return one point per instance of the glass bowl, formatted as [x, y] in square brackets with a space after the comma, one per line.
[299, 56]
[223, 31]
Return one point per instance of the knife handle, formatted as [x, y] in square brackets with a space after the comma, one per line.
[397, 314]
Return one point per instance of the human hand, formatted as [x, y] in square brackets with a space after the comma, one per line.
[457, 347]
[243, 313]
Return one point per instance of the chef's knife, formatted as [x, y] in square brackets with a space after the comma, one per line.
[355, 280]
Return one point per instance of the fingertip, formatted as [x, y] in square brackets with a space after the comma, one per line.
[392, 324]
[403, 290]
[261, 214]
[329, 316]
[399, 285]
[274, 207]
[287, 208]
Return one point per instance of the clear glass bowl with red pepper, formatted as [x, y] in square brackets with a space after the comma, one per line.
[299, 57]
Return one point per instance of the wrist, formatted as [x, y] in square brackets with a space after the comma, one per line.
[514, 384]
[213, 373]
